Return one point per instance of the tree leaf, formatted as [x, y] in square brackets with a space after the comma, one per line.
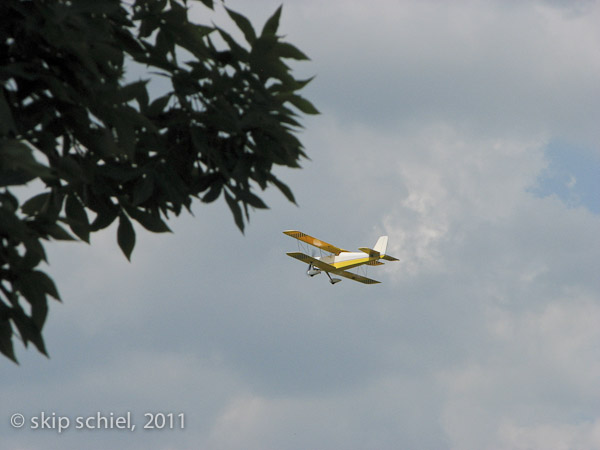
[36, 204]
[105, 215]
[236, 211]
[6, 345]
[237, 49]
[143, 190]
[126, 133]
[13, 226]
[45, 283]
[9, 201]
[151, 222]
[33, 255]
[272, 24]
[243, 24]
[28, 330]
[136, 90]
[57, 232]
[158, 105]
[125, 236]
[252, 199]
[7, 123]
[34, 286]
[302, 104]
[285, 50]
[208, 3]
[213, 192]
[79, 222]
[17, 162]
[285, 190]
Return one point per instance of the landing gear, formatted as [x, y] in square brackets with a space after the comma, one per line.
[333, 280]
[313, 270]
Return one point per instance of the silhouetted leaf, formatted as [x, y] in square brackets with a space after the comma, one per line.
[78, 219]
[57, 232]
[237, 50]
[134, 91]
[243, 24]
[236, 211]
[9, 201]
[125, 236]
[272, 24]
[45, 283]
[213, 193]
[13, 226]
[36, 204]
[31, 286]
[28, 330]
[158, 105]
[286, 50]
[6, 345]
[143, 190]
[7, 123]
[252, 199]
[285, 190]
[151, 222]
[17, 161]
[302, 104]
[105, 216]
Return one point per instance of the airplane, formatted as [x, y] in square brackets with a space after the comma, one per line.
[340, 260]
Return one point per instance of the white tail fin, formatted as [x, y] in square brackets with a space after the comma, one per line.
[381, 245]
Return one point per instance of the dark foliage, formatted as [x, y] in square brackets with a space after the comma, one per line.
[105, 151]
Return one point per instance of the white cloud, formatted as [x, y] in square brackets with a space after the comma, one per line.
[384, 414]
[512, 275]
[536, 385]
[585, 436]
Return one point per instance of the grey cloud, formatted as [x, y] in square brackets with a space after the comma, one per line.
[482, 336]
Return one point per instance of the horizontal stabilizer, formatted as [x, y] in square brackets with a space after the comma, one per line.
[375, 254]
[369, 251]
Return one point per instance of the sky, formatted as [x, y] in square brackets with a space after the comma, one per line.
[465, 131]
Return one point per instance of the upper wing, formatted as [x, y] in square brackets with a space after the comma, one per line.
[314, 241]
[356, 277]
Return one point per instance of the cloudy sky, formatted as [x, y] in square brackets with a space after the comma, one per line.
[467, 132]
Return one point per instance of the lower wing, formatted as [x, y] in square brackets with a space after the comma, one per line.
[331, 269]
[314, 261]
[356, 277]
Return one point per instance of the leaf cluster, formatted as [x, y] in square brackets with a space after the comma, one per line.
[105, 151]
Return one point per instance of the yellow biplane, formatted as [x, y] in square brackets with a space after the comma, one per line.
[340, 260]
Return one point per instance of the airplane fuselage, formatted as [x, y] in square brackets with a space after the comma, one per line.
[347, 260]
